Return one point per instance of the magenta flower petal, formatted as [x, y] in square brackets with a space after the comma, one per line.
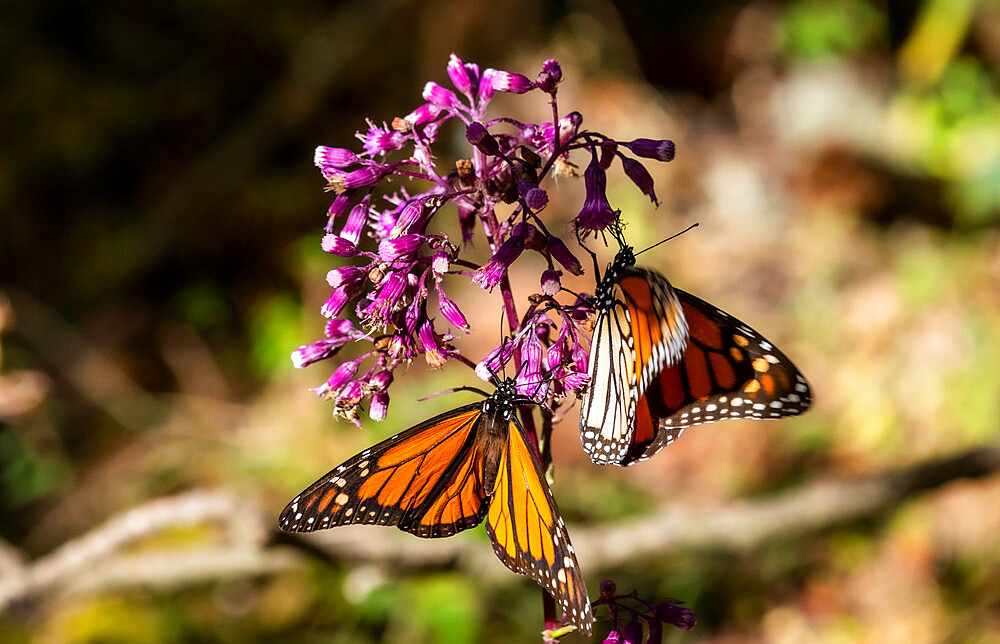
[345, 275]
[513, 83]
[390, 250]
[337, 245]
[326, 157]
[679, 616]
[440, 97]
[451, 312]
[314, 352]
[379, 407]
[492, 273]
[459, 75]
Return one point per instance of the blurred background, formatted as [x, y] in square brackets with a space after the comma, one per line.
[159, 260]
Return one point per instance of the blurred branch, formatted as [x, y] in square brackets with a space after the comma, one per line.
[95, 562]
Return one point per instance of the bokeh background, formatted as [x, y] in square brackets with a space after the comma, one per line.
[159, 259]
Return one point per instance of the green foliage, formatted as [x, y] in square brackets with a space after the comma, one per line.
[811, 29]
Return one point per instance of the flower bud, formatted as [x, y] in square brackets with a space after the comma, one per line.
[452, 313]
[513, 83]
[440, 97]
[549, 77]
[640, 177]
[393, 249]
[379, 407]
[550, 281]
[337, 245]
[479, 136]
[458, 74]
[662, 150]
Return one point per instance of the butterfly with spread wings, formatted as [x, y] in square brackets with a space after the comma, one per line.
[446, 475]
[662, 360]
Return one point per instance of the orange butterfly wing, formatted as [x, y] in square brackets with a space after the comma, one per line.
[728, 370]
[426, 480]
[528, 533]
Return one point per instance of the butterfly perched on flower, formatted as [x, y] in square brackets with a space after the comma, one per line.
[662, 360]
[446, 475]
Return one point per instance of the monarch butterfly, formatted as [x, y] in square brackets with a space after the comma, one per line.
[662, 360]
[446, 475]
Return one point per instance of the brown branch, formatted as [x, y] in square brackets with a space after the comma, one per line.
[96, 561]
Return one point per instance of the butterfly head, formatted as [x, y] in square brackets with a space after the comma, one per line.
[504, 400]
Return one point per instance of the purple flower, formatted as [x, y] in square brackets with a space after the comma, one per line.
[451, 312]
[355, 222]
[679, 616]
[401, 345]
[339, 328]
[381, 380]
[533, 196]
[337, 245]
[607, 589]
[379, 407]
[479, 136]
[382, 307]
[390, 250]
[596, 214]
[360, 178]
[662, 150]
[411, 217]
[426, 112]
[486, 88]
[327, 158]
[466, 221]
[549, 77]
[492, 273]
[495, 361]
[562, 254]
[608, 151]
[340, 205]
[440, 97]
[314, 352]
[640, 177]
[510, 82]
[632, 633]
[441, 262]
[379, 140]
[612, 638]
[339, 298]
[530, 382]
[432, 354]
[343, 373]
[550, 281]
[345, 275]
[459, 75]
[655, 631]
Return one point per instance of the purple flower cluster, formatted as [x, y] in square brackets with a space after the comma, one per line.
[629, 614]
[394, 285]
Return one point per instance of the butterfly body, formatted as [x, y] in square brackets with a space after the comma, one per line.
[448, 474]
[663, 360]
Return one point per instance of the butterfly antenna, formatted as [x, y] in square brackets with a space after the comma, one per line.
[454, 390]
[694, 225]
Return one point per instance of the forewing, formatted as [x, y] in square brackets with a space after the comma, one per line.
[608, 407]
[427, 480]
[528, 533]
[728, 370]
